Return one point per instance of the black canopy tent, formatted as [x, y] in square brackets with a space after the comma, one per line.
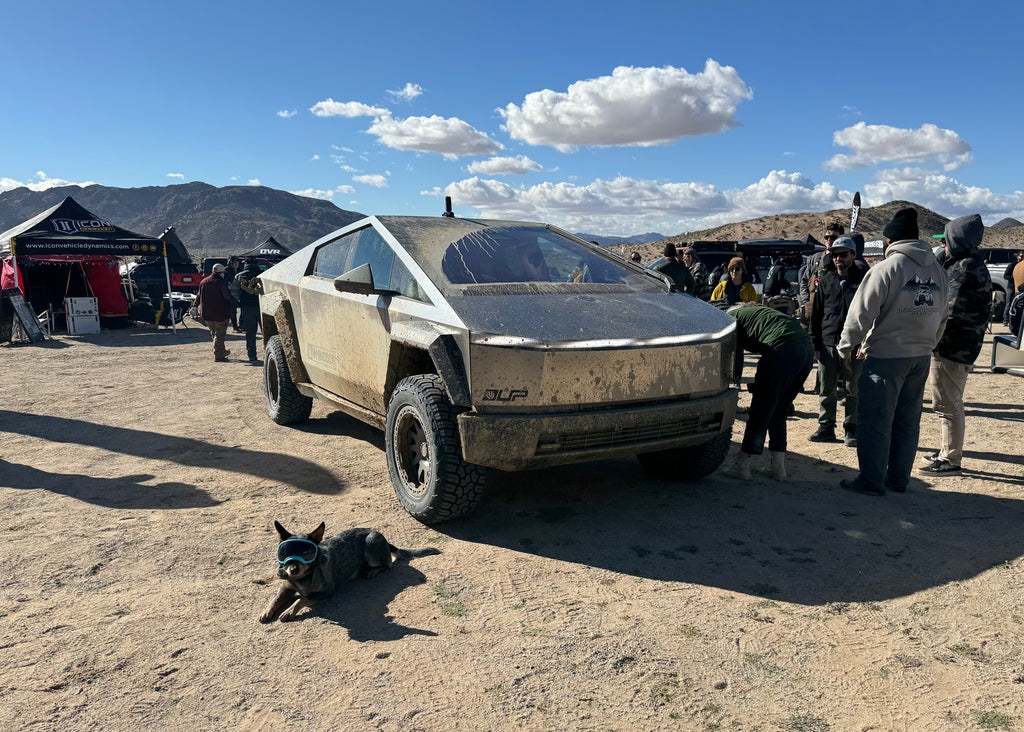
[269, 250]
[67, 251]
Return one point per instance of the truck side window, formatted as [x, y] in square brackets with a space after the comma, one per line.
[333, 259]
[373, 250]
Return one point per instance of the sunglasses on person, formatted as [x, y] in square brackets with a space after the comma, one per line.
[736, 268]
[841, 255]
[831, 236]
[298, 550]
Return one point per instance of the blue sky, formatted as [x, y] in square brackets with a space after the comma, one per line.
[610, 118]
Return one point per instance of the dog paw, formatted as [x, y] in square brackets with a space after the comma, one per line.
[266, 618]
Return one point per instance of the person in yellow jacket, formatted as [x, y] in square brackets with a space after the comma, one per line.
[733, 289]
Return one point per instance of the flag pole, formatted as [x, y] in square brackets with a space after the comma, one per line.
[14, 262]
[170, 300]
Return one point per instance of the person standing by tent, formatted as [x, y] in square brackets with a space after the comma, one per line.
[215, 308]
[231, 277]
[249, 298]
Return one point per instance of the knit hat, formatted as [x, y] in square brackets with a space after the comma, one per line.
[903, 225]
[670, 250]
[739, 261]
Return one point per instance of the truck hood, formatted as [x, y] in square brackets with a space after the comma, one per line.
[590, 320]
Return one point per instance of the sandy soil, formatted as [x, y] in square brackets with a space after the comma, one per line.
[139, 482]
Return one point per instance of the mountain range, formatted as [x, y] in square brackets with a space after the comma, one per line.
[215, 221]
[210, 221]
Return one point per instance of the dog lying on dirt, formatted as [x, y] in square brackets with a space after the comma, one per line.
[313, 567]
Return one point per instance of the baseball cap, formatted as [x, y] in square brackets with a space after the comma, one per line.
[843, 242]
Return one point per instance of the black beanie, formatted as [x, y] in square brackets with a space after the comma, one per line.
[670, 250]
[903, 225]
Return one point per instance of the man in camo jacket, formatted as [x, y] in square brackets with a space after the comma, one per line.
[970, 300]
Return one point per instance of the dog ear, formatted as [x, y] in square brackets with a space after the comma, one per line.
[282, 532]
[317, 534]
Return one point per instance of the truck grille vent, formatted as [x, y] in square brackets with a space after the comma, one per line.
[625, 436]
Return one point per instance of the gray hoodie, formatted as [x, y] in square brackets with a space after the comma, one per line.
[899, 310]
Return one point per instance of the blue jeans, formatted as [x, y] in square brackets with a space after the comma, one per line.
[889, 419]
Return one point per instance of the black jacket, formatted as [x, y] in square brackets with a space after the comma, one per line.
[832, 300]
[248, 286]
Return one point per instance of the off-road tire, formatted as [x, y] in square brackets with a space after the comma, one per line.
[431, 480]
[285, 403]
[687, 463]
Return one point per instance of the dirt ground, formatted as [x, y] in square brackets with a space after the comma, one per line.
[139, 482]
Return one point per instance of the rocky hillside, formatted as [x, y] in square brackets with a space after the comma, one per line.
[210, 221]
[870, 223]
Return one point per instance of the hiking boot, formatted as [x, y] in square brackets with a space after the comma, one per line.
[740, 468]
[850, 439]
[778, 462]
[855, 486]
[824, 434]
[941, 467]
[929, 458]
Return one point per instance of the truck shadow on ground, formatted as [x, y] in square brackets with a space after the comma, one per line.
[805, 541]
[185, 451]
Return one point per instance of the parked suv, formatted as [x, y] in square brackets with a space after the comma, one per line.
[495, 344]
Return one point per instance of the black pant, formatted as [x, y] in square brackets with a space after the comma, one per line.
[251, 323]
[779, 378]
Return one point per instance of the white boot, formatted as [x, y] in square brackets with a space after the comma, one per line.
[778, 465]
[740, 468]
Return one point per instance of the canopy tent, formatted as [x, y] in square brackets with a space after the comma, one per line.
[269, 250]
[176, 251]
[67, 251]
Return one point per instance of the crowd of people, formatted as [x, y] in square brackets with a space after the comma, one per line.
[877, 335]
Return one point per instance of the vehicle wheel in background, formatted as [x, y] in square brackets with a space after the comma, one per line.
[285, 403]
[687, 463]
[430, 478]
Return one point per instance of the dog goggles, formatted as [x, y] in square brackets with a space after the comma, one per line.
[299, 550]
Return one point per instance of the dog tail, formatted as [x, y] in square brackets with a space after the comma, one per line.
[413, 553]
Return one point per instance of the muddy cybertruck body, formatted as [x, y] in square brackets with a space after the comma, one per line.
[480, 344]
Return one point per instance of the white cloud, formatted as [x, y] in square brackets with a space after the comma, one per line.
[943, 194]
[254, 181]
[42, 182]
[628, 205]
[409, 92]
[331, 108]
[315, 157]
[874, 144]
[179, 176]
[287, 113]
[324, 195]
[451, 137]
[632, 107]
[377, 181]
[518, 165]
